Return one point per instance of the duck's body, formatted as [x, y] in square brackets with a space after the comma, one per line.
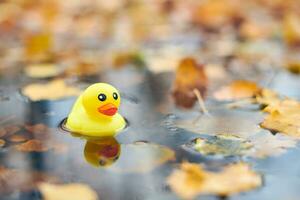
[91, 117]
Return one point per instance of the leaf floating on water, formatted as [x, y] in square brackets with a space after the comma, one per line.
[2, 143]
[225, 145]
[189, 76]
[17, 138]
[267, 97]
[52, 90]
[32, 145]
[291, 29]
[284, 117]
[192, 180]
[293, 66]
[42, 70]
[71, 191]
[239, 89]
[126, 58]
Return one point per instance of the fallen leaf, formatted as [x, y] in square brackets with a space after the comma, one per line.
[43, 70]
[215, 14]
[52, 90]
[253, 30]
[291, 29]
[225, 145]
[293, 66]
[267, 97]
[237, 90]
[71, 191]
[32, 145]
[189, 76]
[2, 143]
[134, 58]
[192, 180]
[283, 117]
[17, 138]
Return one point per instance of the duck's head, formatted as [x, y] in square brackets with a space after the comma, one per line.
[101, 99]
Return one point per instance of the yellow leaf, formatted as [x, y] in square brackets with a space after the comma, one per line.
[192, 179]
[284, 117]
[52, 90]
[237, 90]
[72, 191]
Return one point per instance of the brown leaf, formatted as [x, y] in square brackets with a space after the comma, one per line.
[189, 76]
[52, 90]
[32, 145]
[215, 14]
[293, 66]
[71, 191]
[191, 180]
[237, 90]
[17, 138]
[2, 143]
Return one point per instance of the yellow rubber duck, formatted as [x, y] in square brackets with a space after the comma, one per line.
[95, 112]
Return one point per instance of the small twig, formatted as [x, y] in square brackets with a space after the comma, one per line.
[200, 101]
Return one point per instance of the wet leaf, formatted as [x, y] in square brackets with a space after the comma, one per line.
[291, 29]
[225, 145]
[237, 90]
[52, 90]
[71, 191]
[293, 66]
[2, 143]
[134, 58]
[189, 76]
[267, 97]
[17, 138]
[32, 145]
[192, 179]
[215, 14]
[44, 70]
[284, 117]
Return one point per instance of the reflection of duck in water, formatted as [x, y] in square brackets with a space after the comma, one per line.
[95, 112]
[103, 152]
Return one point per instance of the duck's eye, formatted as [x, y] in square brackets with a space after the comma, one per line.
[102, 97]
[115, 96]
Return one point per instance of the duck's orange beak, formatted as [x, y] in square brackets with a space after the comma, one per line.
[108, 109]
